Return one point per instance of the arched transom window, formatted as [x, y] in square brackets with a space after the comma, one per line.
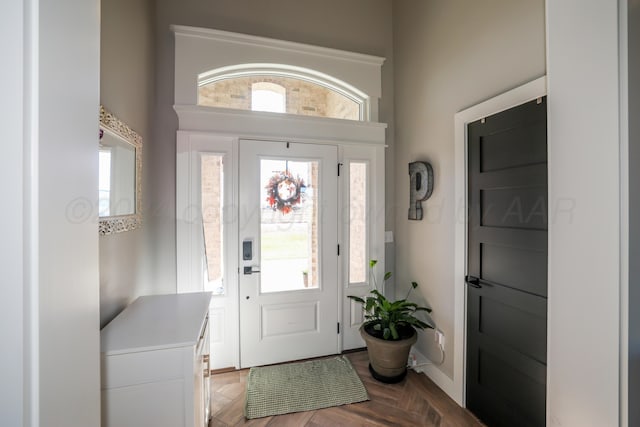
[280, 92]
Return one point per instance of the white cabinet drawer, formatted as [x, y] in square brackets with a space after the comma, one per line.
[122, 370]
[158, 405]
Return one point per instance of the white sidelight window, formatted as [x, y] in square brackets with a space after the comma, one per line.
[358, 222]
[212, 197]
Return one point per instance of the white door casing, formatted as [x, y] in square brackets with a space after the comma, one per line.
[282, 325]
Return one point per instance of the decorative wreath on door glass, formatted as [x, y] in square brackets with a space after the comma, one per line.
[284, 191]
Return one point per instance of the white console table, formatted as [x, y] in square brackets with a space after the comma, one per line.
[155, 363]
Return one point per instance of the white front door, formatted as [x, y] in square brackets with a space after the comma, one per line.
[288, 224]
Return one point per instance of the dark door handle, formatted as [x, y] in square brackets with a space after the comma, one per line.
[473, 282]
[250, 270]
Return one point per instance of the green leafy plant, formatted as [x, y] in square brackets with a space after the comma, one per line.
[392, 320]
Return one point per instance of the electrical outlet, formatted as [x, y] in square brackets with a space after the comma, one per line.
[439, 338]
[412, 360]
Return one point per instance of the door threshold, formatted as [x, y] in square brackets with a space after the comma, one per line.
[223, 370]
[232, 369]
[354, 350]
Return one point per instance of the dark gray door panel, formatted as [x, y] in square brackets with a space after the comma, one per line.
[507, 267]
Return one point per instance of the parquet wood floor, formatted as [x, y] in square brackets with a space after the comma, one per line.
[416, 401]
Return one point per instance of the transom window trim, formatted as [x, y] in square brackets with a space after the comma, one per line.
[291, 71]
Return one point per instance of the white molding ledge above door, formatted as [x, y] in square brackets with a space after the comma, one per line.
[263, 125]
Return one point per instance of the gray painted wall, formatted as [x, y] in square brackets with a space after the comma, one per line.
[356, 25]
[634, 211]
[126, 89]
[449, 55]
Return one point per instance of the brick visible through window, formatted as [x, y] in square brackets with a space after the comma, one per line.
[211, 193]
[301, 97]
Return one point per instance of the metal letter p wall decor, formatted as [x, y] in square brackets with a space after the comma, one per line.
[421, 187]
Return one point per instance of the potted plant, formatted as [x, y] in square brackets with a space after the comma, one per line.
[390, 329]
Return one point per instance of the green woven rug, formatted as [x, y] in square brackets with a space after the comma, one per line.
[305, 386]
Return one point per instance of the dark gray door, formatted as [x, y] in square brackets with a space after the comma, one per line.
[507, 267]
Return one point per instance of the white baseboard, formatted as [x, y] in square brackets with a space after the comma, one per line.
[427, 367]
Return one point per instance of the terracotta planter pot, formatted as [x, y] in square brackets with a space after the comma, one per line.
[388, 359]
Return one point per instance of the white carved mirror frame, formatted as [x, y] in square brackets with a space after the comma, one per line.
[117, 128]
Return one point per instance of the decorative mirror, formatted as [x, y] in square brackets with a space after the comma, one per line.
[120, 176]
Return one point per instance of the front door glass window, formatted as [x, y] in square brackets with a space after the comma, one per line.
[288, 225]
